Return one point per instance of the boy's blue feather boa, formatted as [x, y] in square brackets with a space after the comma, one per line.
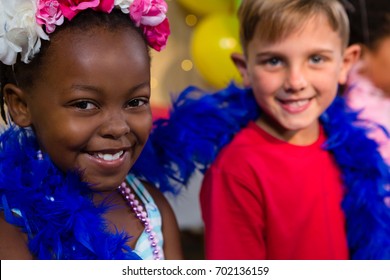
[201, 123]
[54, 210]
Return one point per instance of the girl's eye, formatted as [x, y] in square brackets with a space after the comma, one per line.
[85, 105]
[137, 102]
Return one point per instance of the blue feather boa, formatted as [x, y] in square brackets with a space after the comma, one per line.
[55, 209]
[202, 123]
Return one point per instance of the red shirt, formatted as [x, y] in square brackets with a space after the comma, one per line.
[264, 198]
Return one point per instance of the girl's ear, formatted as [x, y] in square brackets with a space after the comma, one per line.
[240, 62]
[15, 98]
[351, 56]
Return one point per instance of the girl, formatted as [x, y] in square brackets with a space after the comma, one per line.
[368, 86]
[76, 82]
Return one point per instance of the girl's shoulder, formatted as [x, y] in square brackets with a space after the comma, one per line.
[13, 242]
[170, 228]
[165, 209]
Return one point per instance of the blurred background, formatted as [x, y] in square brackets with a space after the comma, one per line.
[203, 35]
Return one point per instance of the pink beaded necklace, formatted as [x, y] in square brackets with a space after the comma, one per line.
[142, 215]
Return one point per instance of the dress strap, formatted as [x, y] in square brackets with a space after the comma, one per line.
[139, 189]
[142, 247]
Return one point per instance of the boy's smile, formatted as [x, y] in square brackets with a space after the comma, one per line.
[295, 79]
[295, 105]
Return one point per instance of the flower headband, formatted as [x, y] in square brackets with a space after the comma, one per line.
[22, 21]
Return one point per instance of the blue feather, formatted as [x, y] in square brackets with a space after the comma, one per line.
[199, 125]
[365, 176]
[56, 209]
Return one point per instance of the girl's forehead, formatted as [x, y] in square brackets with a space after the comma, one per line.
[96, 39]
[94, 31]
[74, 58]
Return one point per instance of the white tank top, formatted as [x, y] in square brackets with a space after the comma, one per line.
[143, 247]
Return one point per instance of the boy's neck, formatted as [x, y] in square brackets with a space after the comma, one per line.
[301, 137]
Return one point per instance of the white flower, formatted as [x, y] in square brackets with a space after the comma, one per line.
[19, 31]
[7, 51]
[123, 5]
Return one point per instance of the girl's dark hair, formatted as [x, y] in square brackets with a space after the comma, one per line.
[369, 21]
[5, 78]
[25, 75]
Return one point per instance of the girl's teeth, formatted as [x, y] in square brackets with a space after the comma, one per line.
[110, 157]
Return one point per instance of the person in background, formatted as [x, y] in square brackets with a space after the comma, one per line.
[368, 85]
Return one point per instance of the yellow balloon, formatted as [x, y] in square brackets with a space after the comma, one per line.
[214, 39]
[204, 7]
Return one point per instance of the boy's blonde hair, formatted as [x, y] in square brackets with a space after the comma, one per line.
[273, 20]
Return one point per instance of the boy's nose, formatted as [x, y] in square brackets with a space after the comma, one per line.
[115, 126]
[295, 80]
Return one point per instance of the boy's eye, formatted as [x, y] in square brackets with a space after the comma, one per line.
[273, 61]
[84, 105]
[316, 59]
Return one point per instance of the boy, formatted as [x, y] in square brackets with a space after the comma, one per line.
[299, 180]
[284, 200]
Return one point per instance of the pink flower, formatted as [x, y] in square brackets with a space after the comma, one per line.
[148, 12]
[150, 15]
[105, 6]
[49, 14]
[157, 36]
[70, 8]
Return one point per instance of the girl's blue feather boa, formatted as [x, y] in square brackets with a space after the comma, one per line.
[202, 123]
[54, 210]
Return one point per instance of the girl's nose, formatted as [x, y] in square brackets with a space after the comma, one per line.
[115, 126]
[295, 80]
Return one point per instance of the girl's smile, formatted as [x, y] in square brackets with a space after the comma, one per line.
[109, 160]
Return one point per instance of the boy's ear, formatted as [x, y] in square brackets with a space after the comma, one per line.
[351, 56]
[240, 62]
[15, 98]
